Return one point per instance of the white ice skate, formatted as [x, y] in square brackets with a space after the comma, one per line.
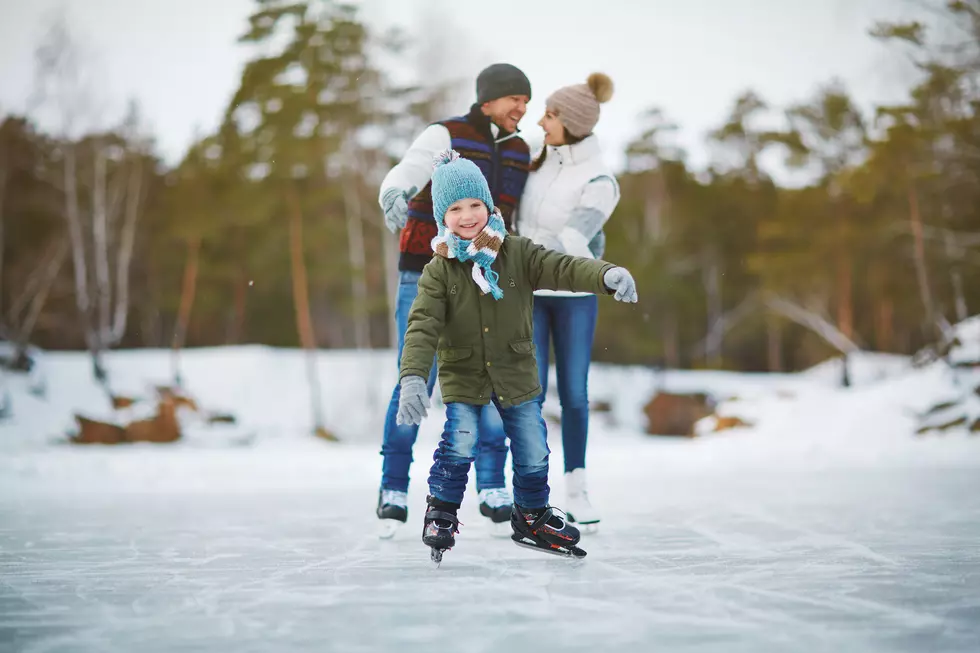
[578, 507]
[392, 511]
[496, 505]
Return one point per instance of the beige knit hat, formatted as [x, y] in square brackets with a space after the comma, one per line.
[577, 106]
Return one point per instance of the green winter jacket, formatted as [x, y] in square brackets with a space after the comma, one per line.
[484, 346]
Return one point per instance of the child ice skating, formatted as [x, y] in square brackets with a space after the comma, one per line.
[474, 312]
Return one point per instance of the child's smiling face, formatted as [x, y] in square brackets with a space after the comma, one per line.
[467, 217]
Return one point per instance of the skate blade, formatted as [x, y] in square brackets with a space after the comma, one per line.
[436, 556]
[501, 530]
[564, 552]
[388, 528]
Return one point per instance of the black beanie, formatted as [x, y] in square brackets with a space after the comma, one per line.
[501, 80]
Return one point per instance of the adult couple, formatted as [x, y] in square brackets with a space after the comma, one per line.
[560, 200]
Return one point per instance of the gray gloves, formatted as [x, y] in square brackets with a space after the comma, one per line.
[413, 401]
[395, 204]
[620, 280]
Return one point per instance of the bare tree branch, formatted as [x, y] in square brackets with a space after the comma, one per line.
[726, 322]
[51, 271]
[32, 284]
[812, 321]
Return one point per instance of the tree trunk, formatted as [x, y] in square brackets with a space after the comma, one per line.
[845, 306]
[188, 289]
[774, 342]
[3, 193]
[962, 312]
[357, 257]
[82, 299]
[100, 242]
[844, 273]
[919, 255]
[715, 327]
[125, 254]
[884, 332]
[304, 322]
[237, 331]
[672, 347]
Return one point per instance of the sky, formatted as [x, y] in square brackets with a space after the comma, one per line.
[691, 58]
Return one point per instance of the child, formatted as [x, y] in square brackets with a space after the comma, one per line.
[474, 311]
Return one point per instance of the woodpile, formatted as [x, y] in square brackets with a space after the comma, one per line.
[729, 422]
[162, 427]
[676, 414]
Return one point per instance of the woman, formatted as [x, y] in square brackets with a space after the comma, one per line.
[570, 194]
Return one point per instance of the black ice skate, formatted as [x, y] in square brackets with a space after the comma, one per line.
[543, 529]
[392, 511]
[440, 528]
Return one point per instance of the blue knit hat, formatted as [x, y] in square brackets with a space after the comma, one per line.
[455, 178]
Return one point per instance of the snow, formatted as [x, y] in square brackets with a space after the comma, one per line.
[968, 351]
[826, 526]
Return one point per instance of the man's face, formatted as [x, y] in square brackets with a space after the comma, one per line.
[507, 111]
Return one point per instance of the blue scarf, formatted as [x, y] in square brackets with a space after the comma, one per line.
[481, 250]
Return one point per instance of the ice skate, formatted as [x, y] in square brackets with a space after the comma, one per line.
[578, 507]
[440, 527]
[496, 505]
[392, 511]
[544, 529]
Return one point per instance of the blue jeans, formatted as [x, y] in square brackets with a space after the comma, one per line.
[570, 322]
[528, 442]
[399, 439]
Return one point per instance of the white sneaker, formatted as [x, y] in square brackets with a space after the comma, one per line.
[578, 507]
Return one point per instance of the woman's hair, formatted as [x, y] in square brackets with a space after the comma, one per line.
[569, 140]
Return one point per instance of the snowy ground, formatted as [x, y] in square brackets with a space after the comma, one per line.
[829, 527]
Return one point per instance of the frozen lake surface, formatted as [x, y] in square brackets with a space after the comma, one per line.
[259, 550]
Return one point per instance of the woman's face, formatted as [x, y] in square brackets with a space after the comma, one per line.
[554, 131]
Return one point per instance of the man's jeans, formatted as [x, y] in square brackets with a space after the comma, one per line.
[529, 448]
[399, 439]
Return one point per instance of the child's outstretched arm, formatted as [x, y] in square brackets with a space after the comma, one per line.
[551, 270]
[425, 323]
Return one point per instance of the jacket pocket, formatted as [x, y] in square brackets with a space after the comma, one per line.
[454, 354]
[525, 346]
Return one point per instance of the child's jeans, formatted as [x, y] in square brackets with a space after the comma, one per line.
[399, 439]
[526, 429]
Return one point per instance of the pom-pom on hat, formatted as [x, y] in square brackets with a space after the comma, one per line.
[577, 106]
[455, 178]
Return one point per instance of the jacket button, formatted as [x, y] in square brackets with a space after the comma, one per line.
[488, 363]
[486, 329]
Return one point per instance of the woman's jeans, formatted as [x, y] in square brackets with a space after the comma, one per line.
[569, 323]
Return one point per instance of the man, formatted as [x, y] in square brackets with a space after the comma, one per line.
[487, 135]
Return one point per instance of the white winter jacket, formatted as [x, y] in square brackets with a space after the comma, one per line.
[567, 201]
